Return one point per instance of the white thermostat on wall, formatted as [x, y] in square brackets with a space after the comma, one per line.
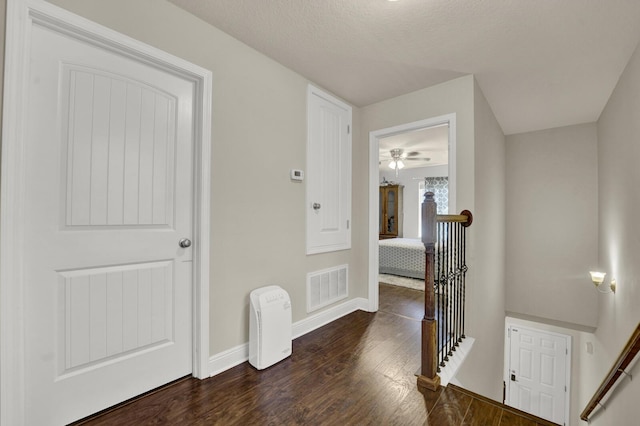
[297, 174]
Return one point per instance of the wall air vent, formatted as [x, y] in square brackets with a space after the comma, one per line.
[327, 286]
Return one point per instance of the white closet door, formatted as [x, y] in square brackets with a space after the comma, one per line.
[537, 373]
[328, 173]
[109, 194]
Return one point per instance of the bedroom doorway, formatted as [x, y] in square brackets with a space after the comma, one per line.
[394, 154]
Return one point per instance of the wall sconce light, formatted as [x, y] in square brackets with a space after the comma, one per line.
[597, 278]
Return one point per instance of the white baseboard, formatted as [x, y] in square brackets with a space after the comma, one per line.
[225, 360]
[448, 373]
[309, 324]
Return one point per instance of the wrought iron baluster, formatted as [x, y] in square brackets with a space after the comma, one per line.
[444, 238]
[445, 286]
[464, 275]
[459, 283]
[442, 244]
[456, 287]
[450, 285]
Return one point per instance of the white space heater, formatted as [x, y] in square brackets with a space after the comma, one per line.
[269, 326]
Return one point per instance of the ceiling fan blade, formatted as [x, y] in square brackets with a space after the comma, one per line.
[386, 156]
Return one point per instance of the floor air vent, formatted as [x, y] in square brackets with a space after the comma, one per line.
[326, 287]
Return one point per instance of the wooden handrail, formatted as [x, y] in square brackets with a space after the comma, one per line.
[627, 355]
[465, 218]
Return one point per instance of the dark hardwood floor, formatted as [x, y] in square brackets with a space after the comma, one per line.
[358, 370]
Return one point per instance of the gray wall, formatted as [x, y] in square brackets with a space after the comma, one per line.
[482, 371]
[3, 11]
[552, 220]
[619, 247]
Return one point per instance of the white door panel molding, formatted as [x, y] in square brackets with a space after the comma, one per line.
[537, 372]
[104, 139]
[328, 204]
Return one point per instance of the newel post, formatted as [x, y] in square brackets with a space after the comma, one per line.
[428, 377]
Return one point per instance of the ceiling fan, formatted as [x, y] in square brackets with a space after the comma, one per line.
[398, 157]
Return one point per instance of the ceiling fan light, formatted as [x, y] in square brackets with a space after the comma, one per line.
[400, 164]
[392, 164]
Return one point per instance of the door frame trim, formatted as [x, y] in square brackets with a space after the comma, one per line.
[374, 173]
[22, 15]
[528, 325]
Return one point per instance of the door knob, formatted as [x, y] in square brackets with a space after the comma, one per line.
[316, 206]
[184, 243]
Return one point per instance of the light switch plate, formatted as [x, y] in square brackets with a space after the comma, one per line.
[297, 174]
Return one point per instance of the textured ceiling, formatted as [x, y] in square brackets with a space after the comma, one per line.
[540, 63]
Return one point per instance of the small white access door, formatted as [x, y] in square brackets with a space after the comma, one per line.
[328, 173]
[537, 372]
[109, 195]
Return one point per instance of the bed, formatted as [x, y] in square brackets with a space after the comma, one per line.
[402, 256]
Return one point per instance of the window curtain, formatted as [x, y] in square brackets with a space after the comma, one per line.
[440, 188]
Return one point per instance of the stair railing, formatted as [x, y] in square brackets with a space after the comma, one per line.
[619, 368]
[444, 239]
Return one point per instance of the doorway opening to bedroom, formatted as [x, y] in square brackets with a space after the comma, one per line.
[405, 162]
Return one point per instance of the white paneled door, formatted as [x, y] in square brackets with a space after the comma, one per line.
[109, 196]
[537, 381]
[328, 173]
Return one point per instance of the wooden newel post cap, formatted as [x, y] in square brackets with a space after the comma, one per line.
[428, 196]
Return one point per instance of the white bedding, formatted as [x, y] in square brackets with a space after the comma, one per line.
[402, 256]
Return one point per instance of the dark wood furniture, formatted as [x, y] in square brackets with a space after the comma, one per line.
[390, 211]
